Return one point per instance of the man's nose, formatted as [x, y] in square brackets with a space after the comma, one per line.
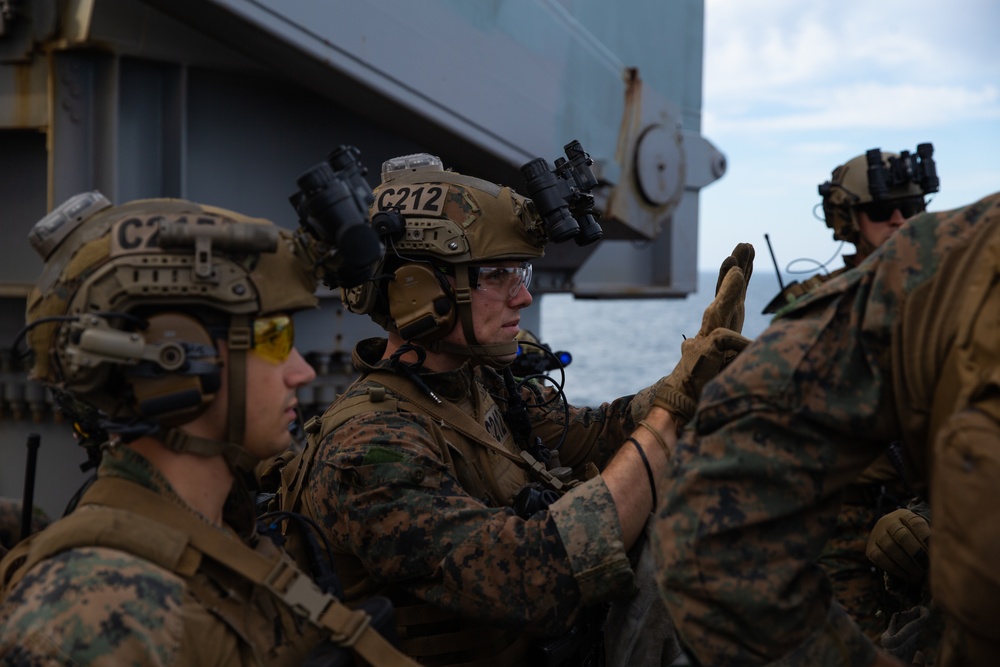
[896, 219]
[300, 372]
[522, 297]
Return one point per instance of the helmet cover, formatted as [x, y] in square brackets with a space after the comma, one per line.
[451, 220]
[120, 261]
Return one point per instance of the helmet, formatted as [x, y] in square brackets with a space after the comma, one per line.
[132, 298]
[436, 223]
[875, 176]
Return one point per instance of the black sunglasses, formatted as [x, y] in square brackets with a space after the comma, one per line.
[882, 211]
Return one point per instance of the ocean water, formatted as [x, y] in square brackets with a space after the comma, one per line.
[621, 346]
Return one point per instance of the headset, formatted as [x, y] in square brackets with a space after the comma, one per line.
[421, 302]
[169, 369]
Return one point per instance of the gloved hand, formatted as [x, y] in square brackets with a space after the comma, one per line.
[898, 544]
[717, 342]
[742, 259]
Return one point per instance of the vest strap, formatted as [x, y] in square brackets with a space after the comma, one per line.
[348, 628]
[446, 412]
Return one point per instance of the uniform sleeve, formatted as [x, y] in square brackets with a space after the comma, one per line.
[93, 606]
[384, 493]
[757, 489]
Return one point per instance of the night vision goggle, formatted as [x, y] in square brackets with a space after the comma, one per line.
[918, 169]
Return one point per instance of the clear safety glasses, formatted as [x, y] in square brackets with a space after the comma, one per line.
[273, 337]
[882, 211]
[504, 280]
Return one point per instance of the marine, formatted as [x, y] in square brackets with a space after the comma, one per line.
[902, 348]
[866, 200]
[497, 517]
[180, 352]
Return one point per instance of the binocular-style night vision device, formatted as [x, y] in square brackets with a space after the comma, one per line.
[562, 195]
[334, 198]
[332, 204]
[907, 168]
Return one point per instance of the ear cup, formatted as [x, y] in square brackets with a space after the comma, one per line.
[181, 383]
[421, 303]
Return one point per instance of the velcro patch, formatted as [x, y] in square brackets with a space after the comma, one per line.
[374, 455]
[422, 199]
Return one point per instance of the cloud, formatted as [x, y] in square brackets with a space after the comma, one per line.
[858, 105]
[792, 89]
[784, 64]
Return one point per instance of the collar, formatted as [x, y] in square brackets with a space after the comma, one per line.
[452, 385]
[124, 462]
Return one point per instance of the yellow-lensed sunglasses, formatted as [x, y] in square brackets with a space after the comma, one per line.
[273, 337]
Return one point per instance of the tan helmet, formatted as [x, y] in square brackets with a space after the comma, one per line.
[132, 298]
[856, 183]
[438, 223]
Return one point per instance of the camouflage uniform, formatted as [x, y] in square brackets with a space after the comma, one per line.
[102, 606]
[10, 523]
[857, 584]
[798, 416]
[414, 515]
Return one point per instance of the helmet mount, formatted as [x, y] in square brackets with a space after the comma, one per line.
[875, 176]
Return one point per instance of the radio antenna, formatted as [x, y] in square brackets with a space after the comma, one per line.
[777, 271]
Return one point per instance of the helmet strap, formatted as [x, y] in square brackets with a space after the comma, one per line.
[233, 450]
[491, 355]
[237, 457]
[238, 343]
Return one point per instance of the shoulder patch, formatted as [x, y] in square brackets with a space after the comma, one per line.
[375, 455]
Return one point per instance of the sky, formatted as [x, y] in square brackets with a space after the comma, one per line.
[792, 89]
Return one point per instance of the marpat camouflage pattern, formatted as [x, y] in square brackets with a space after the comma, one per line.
[788, 426]
[413, 513]
[103, 606]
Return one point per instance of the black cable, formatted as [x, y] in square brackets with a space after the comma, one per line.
[411, 371]
[894, 452]
[526, 381]
[75, 498]
[649, 468]
[516, 416]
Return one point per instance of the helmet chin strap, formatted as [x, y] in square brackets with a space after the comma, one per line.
[238, 458]
[234, 451]
[495, 355]
[239, 342]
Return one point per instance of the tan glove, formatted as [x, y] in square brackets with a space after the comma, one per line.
[717, 342]
[742, 259]
[898, 544]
